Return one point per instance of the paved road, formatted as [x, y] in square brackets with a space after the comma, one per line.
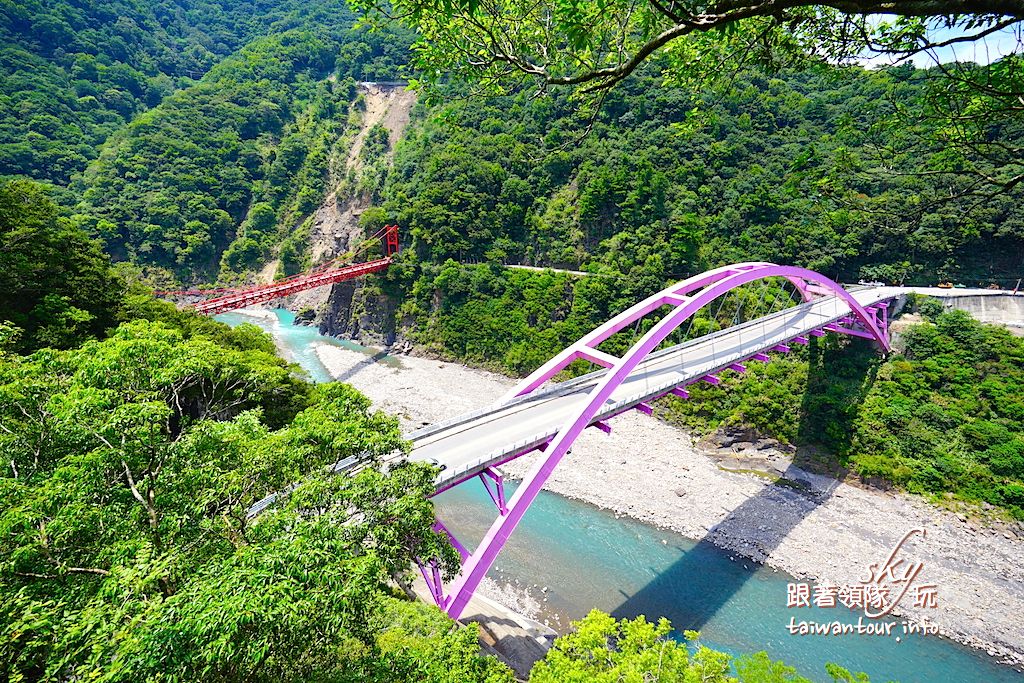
[540, 269]
[955, 292]
[469, 443]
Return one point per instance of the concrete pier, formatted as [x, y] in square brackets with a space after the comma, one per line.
[514, 639]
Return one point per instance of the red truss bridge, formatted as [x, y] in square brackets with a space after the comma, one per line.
[327, 274]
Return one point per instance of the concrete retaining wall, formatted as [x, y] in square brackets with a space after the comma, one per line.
[988, 306]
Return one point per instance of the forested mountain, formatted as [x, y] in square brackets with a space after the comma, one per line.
[71, 73]
[246, 136]
[815, 168]
[250, 143]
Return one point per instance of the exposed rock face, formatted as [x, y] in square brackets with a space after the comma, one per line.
[362, 314]
[736, 438]
[306, 316]
[334, 226]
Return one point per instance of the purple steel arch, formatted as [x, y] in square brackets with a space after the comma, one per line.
[686, 300]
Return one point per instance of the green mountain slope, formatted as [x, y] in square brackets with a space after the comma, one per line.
[811, 168]
[71, 73]
[172, 187]
[243, 154]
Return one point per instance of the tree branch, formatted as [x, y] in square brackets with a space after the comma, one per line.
[1000, 13]
[146, 501]
[70, 570]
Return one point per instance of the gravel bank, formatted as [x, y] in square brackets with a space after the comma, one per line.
[828, 532]
[264, 314]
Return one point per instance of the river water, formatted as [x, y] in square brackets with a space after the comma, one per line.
[589, 558]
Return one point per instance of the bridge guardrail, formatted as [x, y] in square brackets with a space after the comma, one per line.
[631, 401]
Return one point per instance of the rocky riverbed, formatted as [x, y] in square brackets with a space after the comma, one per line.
[811, 526]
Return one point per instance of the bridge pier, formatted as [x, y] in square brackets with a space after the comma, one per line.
[498, 494]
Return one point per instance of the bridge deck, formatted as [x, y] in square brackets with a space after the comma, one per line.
[470, 443]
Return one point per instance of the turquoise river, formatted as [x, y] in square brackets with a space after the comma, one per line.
[589, 558]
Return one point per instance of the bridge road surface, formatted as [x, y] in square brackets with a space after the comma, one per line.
[469, 443]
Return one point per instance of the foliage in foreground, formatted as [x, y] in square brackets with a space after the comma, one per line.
[130, 465]
[944, 416]
[600, 649]
[56, 286]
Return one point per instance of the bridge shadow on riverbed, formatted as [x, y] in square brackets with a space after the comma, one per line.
[706, 577]
[354, 370]
[693, 589]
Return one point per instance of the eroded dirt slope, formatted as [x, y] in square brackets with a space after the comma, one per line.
[336, 223]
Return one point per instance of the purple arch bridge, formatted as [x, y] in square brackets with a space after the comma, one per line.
[549, 417]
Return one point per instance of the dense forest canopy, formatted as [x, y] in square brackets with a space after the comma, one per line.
[75, 72]
[806, 167]
[968, 113]
[811, 168]
[174, 186]
[130, 464]
[57, 288]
